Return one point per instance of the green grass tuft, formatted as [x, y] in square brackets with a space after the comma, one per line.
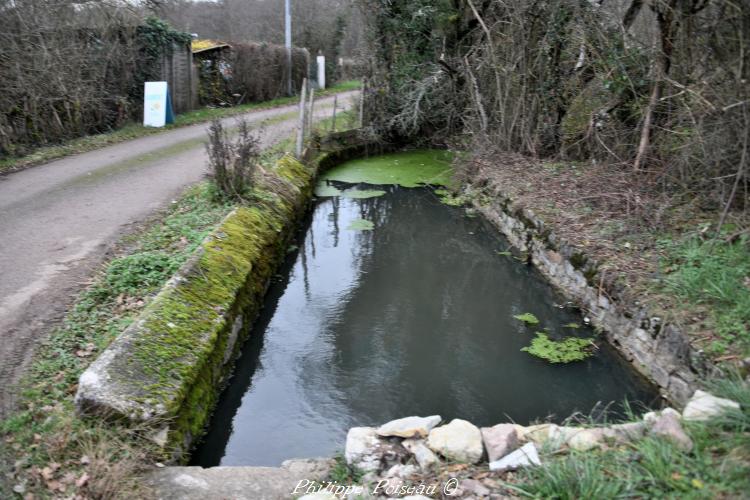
[716, 276]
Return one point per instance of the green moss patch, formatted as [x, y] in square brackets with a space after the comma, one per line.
[167, 367]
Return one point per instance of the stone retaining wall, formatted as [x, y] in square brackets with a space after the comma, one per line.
[661, 352]
[167, 369]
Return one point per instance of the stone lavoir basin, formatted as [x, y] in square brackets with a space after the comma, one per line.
[394, 303]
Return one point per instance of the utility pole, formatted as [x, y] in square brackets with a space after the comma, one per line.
[288, 42]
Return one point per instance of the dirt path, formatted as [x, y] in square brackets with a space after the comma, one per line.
[58, 220]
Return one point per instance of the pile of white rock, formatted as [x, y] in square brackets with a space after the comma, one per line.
[412, 446]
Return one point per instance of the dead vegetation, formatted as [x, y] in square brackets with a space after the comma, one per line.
[233, 162]
[71, 69]
[657, 86]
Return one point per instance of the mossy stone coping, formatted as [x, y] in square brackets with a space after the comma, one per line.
[166, 370]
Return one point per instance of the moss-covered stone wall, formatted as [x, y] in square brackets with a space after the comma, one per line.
[167, 369]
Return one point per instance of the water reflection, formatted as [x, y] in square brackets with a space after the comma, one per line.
[413, 317]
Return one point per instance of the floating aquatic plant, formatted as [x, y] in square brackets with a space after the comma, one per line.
[411, 169]
[527, 318]
[567, 350]
[362, 193]
[324, 190]
[360, 225]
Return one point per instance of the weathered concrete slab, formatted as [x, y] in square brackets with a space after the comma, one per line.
[167, 368]
[237, 483]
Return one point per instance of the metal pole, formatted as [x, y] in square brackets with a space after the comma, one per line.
[335, 105]
[288, 43]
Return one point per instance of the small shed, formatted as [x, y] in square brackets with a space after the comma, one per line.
[211, 64]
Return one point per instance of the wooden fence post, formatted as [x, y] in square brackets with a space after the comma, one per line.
[335, 104]
[362, 105]
[301, 126]
[311, 111]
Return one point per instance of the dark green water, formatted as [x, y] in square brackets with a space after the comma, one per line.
[411, 318]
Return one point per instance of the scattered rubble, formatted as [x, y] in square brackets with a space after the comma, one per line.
[415, 450]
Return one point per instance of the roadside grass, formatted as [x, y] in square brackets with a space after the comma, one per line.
[135, 130]
[713, 279]
[717, 467]
[52, 451]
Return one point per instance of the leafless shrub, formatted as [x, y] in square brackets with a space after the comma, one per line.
[232, 163]
[656, 87]
[69, 69]
[260, 70]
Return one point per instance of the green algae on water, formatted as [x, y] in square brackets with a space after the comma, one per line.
[567, 350]
[360, 225]
[527, 318]
[362, 193]
[410, 169]
[324, 190]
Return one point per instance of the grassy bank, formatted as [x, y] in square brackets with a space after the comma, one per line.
[46, 450]
[718, 466]
[707, 276]
[135, 130]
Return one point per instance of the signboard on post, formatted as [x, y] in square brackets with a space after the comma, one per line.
[157, 105]
[321, 72]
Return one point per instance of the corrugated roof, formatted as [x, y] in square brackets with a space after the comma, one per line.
[204, 45]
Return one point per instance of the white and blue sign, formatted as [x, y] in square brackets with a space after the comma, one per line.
[157, 105]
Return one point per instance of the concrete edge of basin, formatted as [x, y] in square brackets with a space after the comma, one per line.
[293, 478]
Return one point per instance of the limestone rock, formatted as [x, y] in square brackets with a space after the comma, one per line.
[625, 433]
[586, 439]
[652, 417]
[422, 454]
[499, 440]
[368, 452]
[402, 471]
[459, 440]
[525, 456]
[409, 427]
[704, 406]
[555, 436]
[539, 434]
[668, 426]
